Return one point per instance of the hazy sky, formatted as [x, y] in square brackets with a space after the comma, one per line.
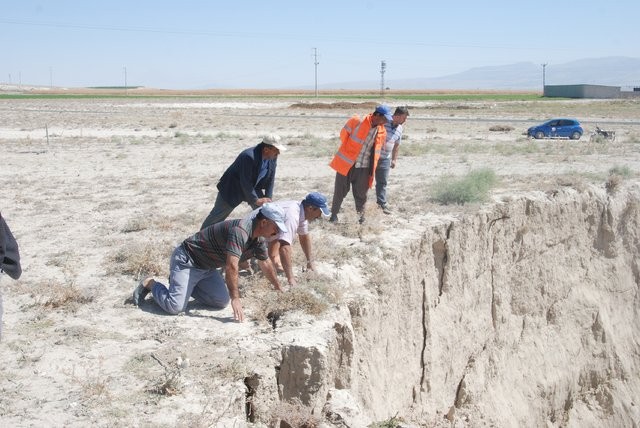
[270, 43]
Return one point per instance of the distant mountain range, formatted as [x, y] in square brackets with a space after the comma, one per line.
[611, 71]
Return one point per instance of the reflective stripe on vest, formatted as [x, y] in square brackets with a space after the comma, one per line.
[348, 152]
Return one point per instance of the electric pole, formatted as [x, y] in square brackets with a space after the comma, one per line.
[383, 68]
[315, 63]
[125, 79]
[544, 83]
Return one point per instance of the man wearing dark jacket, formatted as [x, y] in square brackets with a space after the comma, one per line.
[9, 258]
[249, 178]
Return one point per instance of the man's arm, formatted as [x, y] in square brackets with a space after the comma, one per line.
[394, 154]
[268, 270]
[287, 265]
[305, 243]
[231, 278]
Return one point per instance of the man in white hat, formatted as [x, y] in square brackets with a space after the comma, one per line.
[195, 263]
[249, 179]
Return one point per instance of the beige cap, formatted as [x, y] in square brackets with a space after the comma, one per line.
[274, 140]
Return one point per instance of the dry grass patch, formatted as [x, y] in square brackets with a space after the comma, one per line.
[501, 128]
[140, 260]
[313, 295]
[294, 414]
[55, 295]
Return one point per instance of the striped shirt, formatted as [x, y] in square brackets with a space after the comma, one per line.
[394, 136]
[365, 152]
[209, 248]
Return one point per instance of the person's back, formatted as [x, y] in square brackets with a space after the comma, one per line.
[250, 178]
[9, 258]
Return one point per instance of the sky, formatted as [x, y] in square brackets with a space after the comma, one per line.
[274, 44]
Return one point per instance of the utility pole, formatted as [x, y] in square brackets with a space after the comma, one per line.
[544, 83]
[50, 77]
[383, 68]
[125, 79]
[315, 63]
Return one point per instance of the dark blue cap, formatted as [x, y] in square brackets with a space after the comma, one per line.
[318, 200]
[386, 111]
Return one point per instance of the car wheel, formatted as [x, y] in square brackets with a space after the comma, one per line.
[576, 135]
[539, 135]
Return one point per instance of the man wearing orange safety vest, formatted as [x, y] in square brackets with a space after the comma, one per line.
[356, 160]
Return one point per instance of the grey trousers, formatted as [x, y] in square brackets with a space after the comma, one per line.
[357, 179]
[185, 280]
[1, 309]
[220, 211]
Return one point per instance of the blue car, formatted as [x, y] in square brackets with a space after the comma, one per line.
[557, 128]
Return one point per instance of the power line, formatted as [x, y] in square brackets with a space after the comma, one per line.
[315, 63]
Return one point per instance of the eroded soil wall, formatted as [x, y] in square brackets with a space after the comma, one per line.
[521, 315]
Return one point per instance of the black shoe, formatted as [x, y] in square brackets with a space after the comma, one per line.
[139, 293]
[361, 218]
[385, 209]
[333, 218]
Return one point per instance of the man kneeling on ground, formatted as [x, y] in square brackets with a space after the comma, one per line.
[195, 263]
[298, 215]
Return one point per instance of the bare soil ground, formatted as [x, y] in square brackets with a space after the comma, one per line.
[99, 191]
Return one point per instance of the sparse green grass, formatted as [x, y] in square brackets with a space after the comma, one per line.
[474, 187]
[392, 422]
[622, 170]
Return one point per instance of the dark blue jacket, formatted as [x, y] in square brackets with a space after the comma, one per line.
[9, 254]
[238, 183]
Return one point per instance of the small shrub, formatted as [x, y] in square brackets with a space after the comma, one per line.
[613, 183]
[172, 381]
[474, 187]
[294, 415]
[393, 422]
[140, 260]
[501, 128]
[623, 171]
[62, 296]
[135, 225]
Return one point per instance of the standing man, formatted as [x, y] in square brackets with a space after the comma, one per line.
[298, 215]
[249, 178]
[356, 160]
[388, 155]
[195, 263]
[9, 258]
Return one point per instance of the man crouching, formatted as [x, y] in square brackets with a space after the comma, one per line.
[194, 263]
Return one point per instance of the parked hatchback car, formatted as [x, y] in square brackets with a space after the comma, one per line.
[557, 128]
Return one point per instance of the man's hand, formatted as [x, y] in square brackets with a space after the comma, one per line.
[262, 201]
[236, 305]
[393, 164]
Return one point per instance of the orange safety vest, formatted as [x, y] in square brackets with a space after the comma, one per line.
[353, 135]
